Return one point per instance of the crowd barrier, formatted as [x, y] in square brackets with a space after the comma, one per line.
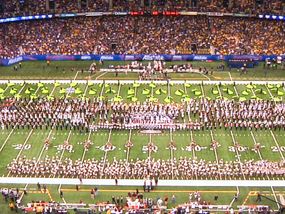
[136, 57]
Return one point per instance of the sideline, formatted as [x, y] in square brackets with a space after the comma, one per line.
[132, 182]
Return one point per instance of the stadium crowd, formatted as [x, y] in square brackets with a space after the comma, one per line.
[142, 35]
[90, 115]
[31, 7]
[182, 168]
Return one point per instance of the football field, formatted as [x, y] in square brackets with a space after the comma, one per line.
[17, 143]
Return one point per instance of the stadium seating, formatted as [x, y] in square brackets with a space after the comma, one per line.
[142, 35]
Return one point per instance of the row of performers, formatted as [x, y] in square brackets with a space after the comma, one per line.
[151, 147]
[153, 126]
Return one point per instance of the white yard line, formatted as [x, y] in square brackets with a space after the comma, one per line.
[254, 140]
[260, 156]
[2, 147]
[168, 89]
[276, 143]
[215, 151]
[35, 93]
[43, 148]
[237, 188]
[62, 153]
[136, 91]
[51, 93]
[171, 153]
[119, 90]
[85, 90]
[205, 76]
[191, 140]
[230, 76]
[22, 89]
[101, 75]
[20, 152]
[84, 151]
[238, 155]
[220, 93]
[128, 149]
[269, 92]
[272, 134]
[76, 75]
[105, 155]
[22, 195]
[24, 144]
[236, 91]
[202, 89]
[63, 149]
[275, 197]
[253, 92]
[150, 140]
[102, 89]
[6, 88]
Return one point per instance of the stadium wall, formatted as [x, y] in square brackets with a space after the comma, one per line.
[137, 57]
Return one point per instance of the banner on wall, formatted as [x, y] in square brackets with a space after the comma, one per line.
[136, 57]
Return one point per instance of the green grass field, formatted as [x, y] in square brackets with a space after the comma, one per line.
[29, 143]
[72, 69]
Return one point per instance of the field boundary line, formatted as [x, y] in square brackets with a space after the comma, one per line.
[140, 182]
[158, 191]
[130, 81]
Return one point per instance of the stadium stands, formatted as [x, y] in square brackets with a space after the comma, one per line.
[142, 35]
